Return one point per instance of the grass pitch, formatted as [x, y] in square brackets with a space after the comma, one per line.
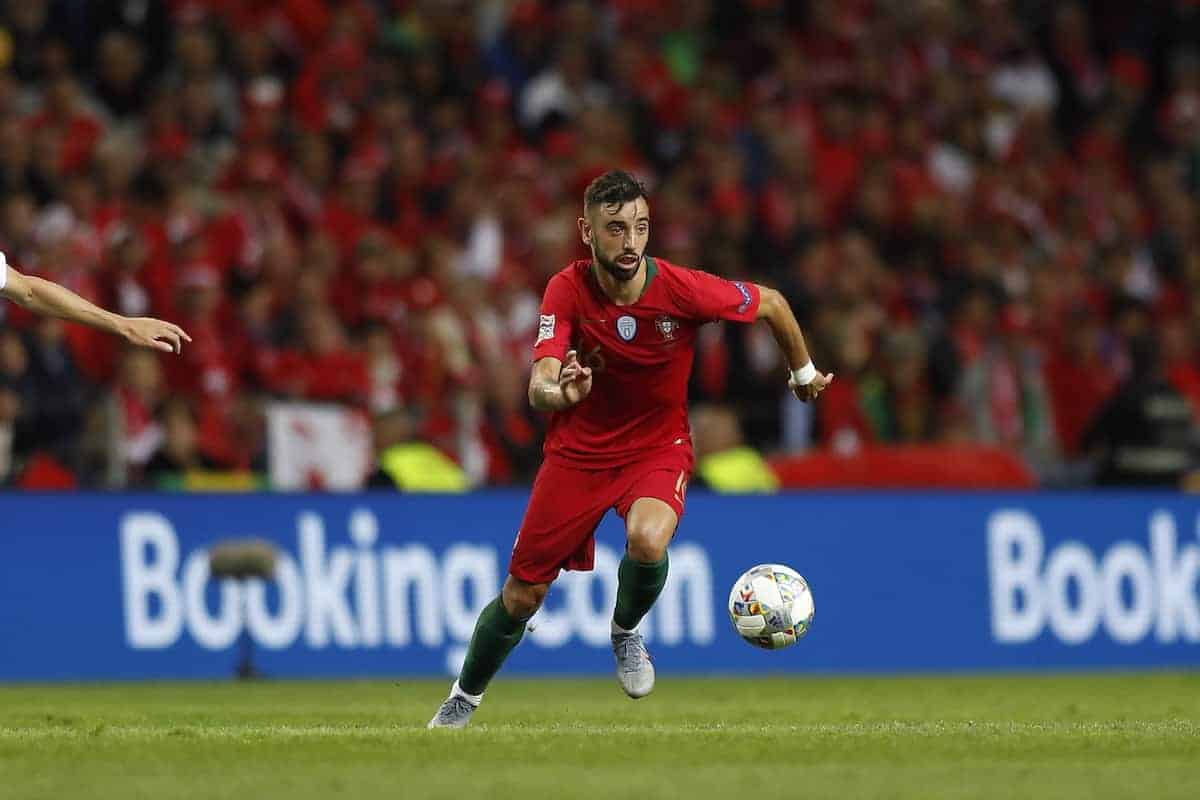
[1096, 736]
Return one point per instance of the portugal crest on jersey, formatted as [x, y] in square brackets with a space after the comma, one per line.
[627, 327]
[666, 327]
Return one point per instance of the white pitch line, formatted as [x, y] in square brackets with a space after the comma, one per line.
[1103, 729]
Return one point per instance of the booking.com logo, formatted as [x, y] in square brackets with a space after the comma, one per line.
[360, 595]
[1131, 590]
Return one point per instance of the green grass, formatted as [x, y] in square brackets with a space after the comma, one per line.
[1097, 736]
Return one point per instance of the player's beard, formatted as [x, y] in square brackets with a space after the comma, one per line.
[610, 265]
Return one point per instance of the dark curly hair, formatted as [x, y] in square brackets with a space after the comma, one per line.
[615, 187]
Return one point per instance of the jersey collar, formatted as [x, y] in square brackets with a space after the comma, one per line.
[651, 271]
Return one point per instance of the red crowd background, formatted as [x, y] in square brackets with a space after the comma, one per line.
[979, 210]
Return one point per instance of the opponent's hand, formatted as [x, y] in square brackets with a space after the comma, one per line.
[575, 379]
[811, 390]
[154, 333]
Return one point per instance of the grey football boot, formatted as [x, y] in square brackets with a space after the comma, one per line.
[635, 672]
[455, 711]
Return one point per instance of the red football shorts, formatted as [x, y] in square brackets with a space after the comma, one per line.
[568, 503]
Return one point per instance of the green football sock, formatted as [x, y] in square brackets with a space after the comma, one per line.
[496, 634]
[638, 586]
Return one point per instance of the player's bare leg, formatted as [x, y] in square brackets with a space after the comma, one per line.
[497, 631]
[649, 526]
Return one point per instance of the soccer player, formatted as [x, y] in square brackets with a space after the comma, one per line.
[612, 357]
[46, 297]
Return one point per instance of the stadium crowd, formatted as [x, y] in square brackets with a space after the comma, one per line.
[986, 214]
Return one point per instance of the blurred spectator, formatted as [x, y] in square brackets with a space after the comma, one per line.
[562, 90]
[205, 368]
[197, 63]
[121, 74]
[65, 133]
[1079, 379]
[62, 394]
[10, 411]
[895, 394]
[385, 370]
[135, 432]
[179, 453]
[17, 401]
[409, 465]
[324, 367]
[1180, 361]
[1146, 435]
[1002, 385]
[724, 463]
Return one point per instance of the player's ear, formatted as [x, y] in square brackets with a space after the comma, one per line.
[585, 231]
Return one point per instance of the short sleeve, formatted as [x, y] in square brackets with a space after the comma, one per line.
[707, 297]
[556, 320]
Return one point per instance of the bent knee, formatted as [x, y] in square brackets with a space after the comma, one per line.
[522, 600]
[648, 543]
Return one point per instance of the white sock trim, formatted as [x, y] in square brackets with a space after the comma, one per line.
[618, 629]
[473, 699]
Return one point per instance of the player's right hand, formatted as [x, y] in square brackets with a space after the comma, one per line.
[575, 379]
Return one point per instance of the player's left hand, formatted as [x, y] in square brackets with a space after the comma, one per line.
[811, 390]
[154, 333]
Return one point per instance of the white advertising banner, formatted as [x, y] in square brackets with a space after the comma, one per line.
[313, 446]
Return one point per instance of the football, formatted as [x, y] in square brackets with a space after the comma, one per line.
[771, 606]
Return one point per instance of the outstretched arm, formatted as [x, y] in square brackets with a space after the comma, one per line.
[805, 382]
[556, 385]
[46, 297]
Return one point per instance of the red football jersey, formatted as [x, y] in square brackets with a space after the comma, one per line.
[640, 355]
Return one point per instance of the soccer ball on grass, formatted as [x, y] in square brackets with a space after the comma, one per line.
[771, 606]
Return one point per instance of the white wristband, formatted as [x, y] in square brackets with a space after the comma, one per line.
[804, 375]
